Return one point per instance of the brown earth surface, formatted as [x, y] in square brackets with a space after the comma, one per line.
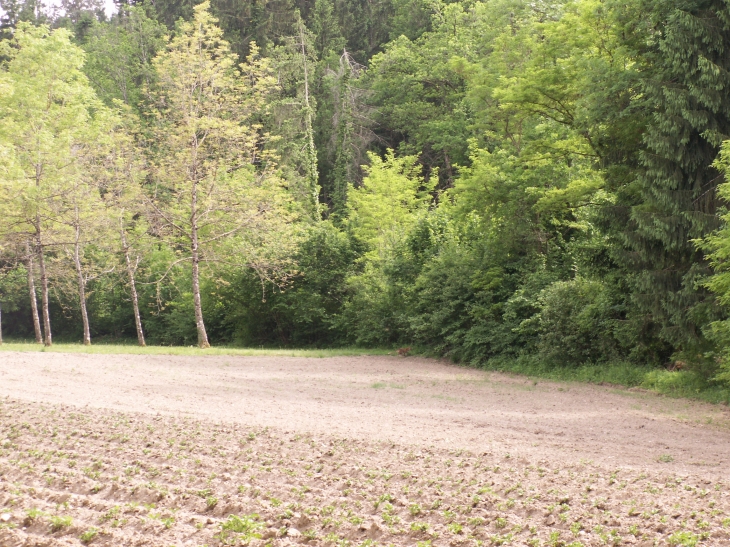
[162, 450]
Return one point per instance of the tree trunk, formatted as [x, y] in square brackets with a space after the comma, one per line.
[199, 324]
[82, 288]
[44, 290]
[312, 174]
[33, 298]
[133, 289]
[42, 267]
[449, 170]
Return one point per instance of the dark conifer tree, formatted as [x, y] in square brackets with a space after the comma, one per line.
[685, 99]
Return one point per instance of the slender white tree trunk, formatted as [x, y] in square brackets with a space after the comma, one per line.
[133, 288]
[44, 286]
[42, 267]
[199, 323]
[82, 287]
[33, 297]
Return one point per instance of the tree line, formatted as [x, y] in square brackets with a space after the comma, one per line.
[493, 180]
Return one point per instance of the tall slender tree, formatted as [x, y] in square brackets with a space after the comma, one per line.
[84, 226]
[212, 180]
[121, 179]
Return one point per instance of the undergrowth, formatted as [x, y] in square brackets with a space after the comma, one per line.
[680, 383]
[677, 384]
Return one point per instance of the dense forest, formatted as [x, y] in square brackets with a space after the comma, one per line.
[495, 181]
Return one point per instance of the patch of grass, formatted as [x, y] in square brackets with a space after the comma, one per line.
[131, 348]
[685, 384]
[678, 384]
[381, 385]
[624, 374]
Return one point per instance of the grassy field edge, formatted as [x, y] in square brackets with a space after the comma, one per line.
[677, 384]
[133, 349]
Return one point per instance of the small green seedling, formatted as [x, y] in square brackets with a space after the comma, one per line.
[683, 538]
[89, 535]
[59, 523]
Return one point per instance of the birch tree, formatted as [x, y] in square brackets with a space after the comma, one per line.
[213, 185]
[125, 210]
[84, 225]
[46, 107]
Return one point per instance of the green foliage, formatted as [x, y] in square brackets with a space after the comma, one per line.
[59, 522]
[575, 323]
[240, 529]
[384, 208]
[119, 55]
[372, 316]
[13, 282]
[89, 535]
[684, 96]
[51, 139]
[684, 538]
[302, 312]
[217, 194]
[523, 186]
[419, 98]
[717, 246]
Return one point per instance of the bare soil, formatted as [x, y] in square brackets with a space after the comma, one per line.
[162, 450]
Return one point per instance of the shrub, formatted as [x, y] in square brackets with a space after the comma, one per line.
[576, 323]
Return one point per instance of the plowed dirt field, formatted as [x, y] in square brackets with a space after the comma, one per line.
[120, 450]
